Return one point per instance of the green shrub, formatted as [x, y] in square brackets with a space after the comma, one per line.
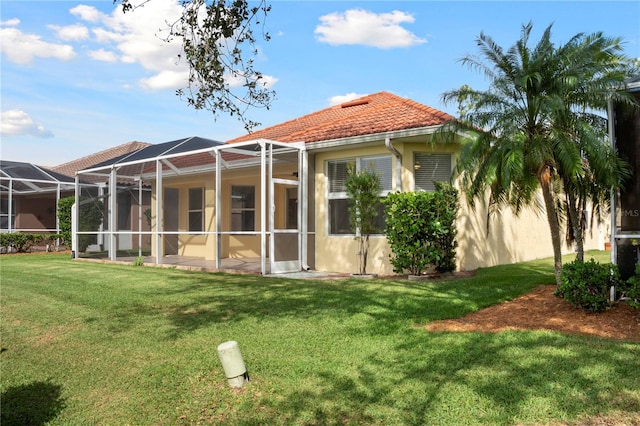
[22, 242]
[90, 218]
[446, 205]
[586, 285]
[421, 229]
[64, 218]
[631, 289]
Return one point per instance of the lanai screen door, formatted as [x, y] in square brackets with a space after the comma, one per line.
[284, 244]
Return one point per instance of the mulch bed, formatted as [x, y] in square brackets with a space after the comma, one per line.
[541, 310]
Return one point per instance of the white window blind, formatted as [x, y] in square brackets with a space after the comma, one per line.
[338, 171]
[430, 168]
[382, 166]
[338, 203]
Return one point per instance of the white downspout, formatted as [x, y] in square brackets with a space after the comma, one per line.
[140, 216]
[218, 209]
[397, 183]
[113, 211]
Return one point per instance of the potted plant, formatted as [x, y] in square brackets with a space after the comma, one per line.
[363, 189]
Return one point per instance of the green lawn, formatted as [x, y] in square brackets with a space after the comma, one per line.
[88, 343]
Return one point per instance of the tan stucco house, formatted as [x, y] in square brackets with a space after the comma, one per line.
[275, 198]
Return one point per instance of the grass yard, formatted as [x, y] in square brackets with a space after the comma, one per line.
[87, 343]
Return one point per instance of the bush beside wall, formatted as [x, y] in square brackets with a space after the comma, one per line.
[421, 229]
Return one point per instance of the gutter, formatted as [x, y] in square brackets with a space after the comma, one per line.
[371, 138]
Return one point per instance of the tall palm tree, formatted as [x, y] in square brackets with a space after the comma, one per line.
[533, 119]
[591, 66]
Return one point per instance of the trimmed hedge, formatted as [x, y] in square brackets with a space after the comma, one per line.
[22, 242]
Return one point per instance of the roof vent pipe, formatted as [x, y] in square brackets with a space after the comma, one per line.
[397, 186]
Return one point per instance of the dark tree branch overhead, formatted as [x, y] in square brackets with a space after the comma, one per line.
[219, 45]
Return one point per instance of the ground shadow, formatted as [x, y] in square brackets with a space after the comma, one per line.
[416, 384]
[195, 300]
[35, 403]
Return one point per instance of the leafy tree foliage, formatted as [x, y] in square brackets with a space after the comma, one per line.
[539, 124]
[219, 45]
[363, 189]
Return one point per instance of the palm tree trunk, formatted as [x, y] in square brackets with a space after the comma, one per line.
[554, 223]
[576, 225]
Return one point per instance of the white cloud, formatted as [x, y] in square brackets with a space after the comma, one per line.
[87, 13]
[103, 55]
[340, 99]
[266, 81]
[14, 22]
[139, 37]
[23, 48]
[71, 32]
[15, 122]
[358, 26]
[166, 79]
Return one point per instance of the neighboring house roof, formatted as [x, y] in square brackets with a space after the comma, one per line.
[86, 162]
[377, 113]
[27, 177]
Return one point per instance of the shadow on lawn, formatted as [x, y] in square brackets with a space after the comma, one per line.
[197, 300]
[36, 403]
[220, 298]
[475, 379]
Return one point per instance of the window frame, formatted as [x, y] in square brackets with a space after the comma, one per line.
[336, 196]
[243, 210]
[191, 209]
[416, 169]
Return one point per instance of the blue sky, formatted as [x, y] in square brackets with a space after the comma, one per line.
[78, 77]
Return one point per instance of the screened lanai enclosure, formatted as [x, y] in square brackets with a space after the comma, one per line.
[29, 196]
[211, 205]
[625, 201]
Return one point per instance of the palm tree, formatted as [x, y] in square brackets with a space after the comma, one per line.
[533, 120]
[591, 67]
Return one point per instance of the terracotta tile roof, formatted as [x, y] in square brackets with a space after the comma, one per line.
[377, 113]
[72, 167]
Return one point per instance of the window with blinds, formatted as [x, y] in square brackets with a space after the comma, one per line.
[338, 203]
[429, 168]
[382, 166]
